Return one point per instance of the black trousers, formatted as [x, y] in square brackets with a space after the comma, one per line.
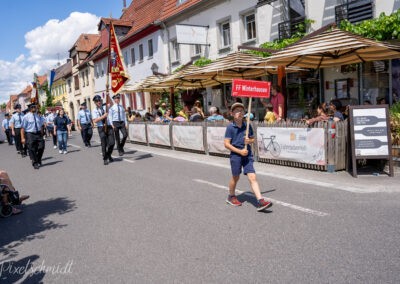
[35, 147]
[107, 141]
[50, 131]
[18, 144]
[9, 136]
[120, 126]
[87, 133]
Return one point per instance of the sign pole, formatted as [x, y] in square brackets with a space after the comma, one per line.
[248, 118]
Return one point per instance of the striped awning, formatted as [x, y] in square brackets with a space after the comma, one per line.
[332, 48]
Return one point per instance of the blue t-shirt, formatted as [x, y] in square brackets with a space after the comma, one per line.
[236, 135]
[61, 122]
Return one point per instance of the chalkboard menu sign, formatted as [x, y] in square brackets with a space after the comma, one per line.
[370, 134]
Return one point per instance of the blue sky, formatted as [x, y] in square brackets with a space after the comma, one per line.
[27, 46]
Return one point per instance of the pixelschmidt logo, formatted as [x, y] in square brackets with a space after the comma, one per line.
[9, 268]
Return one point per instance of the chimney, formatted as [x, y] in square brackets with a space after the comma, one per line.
[124, 6]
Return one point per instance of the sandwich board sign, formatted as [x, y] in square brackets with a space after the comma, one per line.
[370, 134]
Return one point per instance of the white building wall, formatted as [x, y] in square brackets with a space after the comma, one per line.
[386, 6]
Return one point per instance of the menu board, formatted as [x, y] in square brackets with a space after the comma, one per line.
[370, 134]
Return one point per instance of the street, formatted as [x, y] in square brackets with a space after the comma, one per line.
[154, 218]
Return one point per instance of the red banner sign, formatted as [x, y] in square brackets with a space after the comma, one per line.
[250, 88]
[116, 63]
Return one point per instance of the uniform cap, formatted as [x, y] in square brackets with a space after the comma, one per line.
[97, 98]
[83, 104]
[17, 106]
[116, 96]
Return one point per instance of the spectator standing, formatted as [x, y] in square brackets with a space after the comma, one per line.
[62, 130]
[278, 102]
[199, 107]
[241, 157]
[163, 108]
[85, 124]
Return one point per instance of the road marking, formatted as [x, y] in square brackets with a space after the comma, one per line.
[292, 206]
[73, 145]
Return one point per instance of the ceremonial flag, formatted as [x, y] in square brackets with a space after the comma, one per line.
[52, 76]
[35, 89]
[116, 64]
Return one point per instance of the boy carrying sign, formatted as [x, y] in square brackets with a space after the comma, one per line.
[241, 157]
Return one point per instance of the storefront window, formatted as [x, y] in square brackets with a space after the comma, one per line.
[375, 78]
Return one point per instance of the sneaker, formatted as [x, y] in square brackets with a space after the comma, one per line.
[55, 146]
[60, 151]
[232, 200]
[263, 204]
[65, 152]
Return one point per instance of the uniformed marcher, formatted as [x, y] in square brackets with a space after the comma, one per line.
[118, 118]
[7, 128]
[100, 117]
[32, 133]
[50, 126]
[16, 124]
[85, 124]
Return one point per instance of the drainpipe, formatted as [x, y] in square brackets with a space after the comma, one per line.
[169, 53]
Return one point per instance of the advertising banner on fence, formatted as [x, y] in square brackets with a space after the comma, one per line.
[188, 137]
[305, 145]
[137, 132]
[215, 140]
[158, 134]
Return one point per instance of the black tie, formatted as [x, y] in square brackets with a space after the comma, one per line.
[87, 118]
[119, 114]
[36, 127]
[20, 122]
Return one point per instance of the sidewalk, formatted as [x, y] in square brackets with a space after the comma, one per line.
[341, 180]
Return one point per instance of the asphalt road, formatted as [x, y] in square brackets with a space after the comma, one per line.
[155, 219]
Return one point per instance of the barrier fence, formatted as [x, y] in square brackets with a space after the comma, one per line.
[321, 147]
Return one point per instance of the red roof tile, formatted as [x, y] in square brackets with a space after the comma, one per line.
[171, 8]
[86, 42]
[42, 79]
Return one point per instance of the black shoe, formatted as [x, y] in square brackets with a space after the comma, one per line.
[121, 153]
[111, 159]
[18, 152]
[23, 155]
[105, 162]
[36, 166]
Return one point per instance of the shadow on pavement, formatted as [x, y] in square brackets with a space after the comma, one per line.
[51, 163]
[47, 158]
[15, 271]
[73, 151]
[18, 229]
[145, 156]
[131, 152]
[250, 198]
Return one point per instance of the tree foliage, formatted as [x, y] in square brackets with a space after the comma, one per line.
[382, 28]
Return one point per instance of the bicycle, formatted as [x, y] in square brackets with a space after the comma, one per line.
[273, 147]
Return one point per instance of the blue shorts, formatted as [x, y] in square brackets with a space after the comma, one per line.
[237, 162]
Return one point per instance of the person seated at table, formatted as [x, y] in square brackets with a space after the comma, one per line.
[336, 106]
[196, 115]
[159, 116]
[321, 116]
[197, 104]
[7, 189]
[168, 116]
[214, 115]
[131, 116]
[269, 116]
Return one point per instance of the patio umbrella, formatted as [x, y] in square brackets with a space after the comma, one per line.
[332, 48]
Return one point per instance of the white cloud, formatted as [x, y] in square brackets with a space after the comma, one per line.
[46, 44]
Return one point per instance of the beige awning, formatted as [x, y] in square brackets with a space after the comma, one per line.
[332, 48]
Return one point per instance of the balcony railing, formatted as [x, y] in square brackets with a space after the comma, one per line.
[354, 12]
[289, 28]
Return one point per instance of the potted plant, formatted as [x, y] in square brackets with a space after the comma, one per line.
[395, 128]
